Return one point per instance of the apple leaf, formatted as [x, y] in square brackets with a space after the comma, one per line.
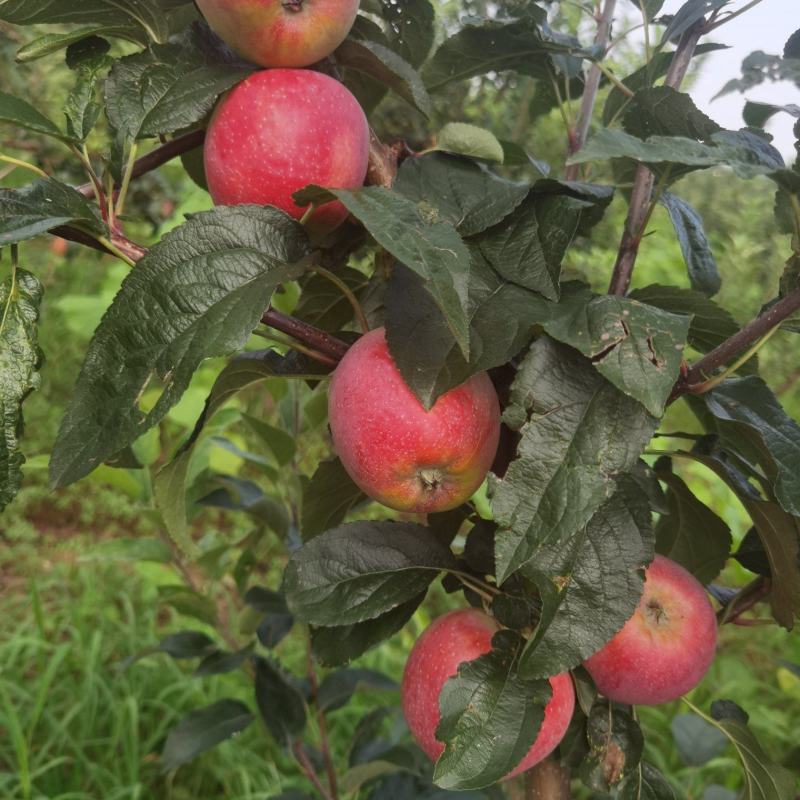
[462, 139]
[327, 498]
[20, 360]
[339, 686]
[383, 64]
[203, 729]
[322, 303]
[691, 534]
[198, 293]
[646, 783]
[279, 701]
[578, 614]
[664, 111]
[748, 415]
[361, 570]
[168, 87]
[490, 717]
[20, 113]
[467, 195]
[578, 432]
[53, 42]
[615, 747]
[340, 644]
[700, 261]
[42, 205]
[637, 347]
[410, 28]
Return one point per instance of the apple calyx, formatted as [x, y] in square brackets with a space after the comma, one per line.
[431, 480]
[293, 5]
[656, 612]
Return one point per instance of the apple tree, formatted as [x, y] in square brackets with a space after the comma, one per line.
[450, 408]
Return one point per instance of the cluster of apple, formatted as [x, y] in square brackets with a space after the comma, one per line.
[285, 127]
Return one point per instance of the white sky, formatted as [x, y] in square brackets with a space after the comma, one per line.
[765, 27]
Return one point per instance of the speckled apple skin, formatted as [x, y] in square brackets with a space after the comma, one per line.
[447, 642]
[279, 130]
[652, 660]
[385, 437]
[277, 33]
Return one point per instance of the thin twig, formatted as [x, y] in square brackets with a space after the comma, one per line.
[744, 600]
[308, 768]
[322, 723]
[320, 340]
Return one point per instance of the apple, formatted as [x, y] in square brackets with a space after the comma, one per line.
[398, 453]
[448, 641]
[665, 648]
[281, 33]
[279, 130]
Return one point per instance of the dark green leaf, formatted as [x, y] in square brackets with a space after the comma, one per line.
[244, 495]
[44, 204]
[277, 621]
[187, 644]
[756, 114]
[469, 140]
[322, 303]
[467, 195]
[748, 413]
[490, 717]
[692, 534]
[53, 42]
[688, 14]
[198, 293]
[615, 747]
[339, 686]
[189, 602]
[361, 570]
[278, 441]
[696, 740]
[221, 663]
[516, 156]
[203, 729]
[340, 644]
[280, 703]
[410, 27]
[646, 783]
[663, 111]
[700, 262]
[328, 498]
[578, 431]
[752, 555]
[20, 360]
[23, 115]
[383, 64]
[82, 109]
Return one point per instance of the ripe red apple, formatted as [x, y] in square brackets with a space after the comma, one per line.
[447, 642]
[398, 453]
[279, 130]
[281, 33]
[665, 648]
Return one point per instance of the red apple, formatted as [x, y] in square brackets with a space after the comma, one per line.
[447, 642]
[279, 130]
[398, 453]
[665, 648]
[281, 33]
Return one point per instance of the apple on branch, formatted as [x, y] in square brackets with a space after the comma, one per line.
[666, 647]
[280, 130]
[398, 453]
[281, 33]
[448, 641]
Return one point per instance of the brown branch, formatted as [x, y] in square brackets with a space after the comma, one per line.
[744, 600]
[723, 353]
[319, 340]
[578, 137]
[639, 208]
[548, 780]
[322, 723]
[308, 768]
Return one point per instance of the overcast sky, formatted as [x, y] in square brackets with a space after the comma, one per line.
[764, 27]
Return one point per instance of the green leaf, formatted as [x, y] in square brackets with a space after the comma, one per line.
[413, 234]
[692, 534]
[410, 28]
[139, 549]
[490, 717]
[186, 644]
[710, 323]
[637, 347]
[20, 360]
[590, 581]
[340, 644]
[81, 109]
[167, 88]
[221, 663]
[764, 779]
[615, 747]
[387, 67]
[696, 740]
[322, 303]
[700, 262]
[646, 783]
[198, 293]
[53, 42]
[243, 495]
[279, 701]
[23, 115]
[278, 441]
[467, 195]
[572, 445]
[749, 414]
[169, 494]
[469, 140]
[361, 570]
[203, 729]
[328, 498]
[338, 687]
[42, 205]
[664, 111]
[189, 602]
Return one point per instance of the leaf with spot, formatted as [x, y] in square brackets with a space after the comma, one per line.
[53, 42]
[198, 293]
[578, 433]
[360, 570]
[490, 717]
[615, 747]
[20, 360]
